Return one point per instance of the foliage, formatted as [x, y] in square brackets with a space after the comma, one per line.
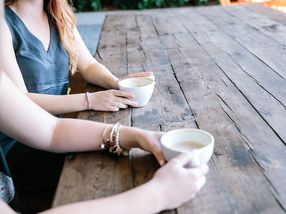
[146, 4]
[87, 5]
[91, 5]
[200, 2]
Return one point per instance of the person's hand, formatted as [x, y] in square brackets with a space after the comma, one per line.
[147, 140]
[150, 141]
[178, 184]
[111, 100]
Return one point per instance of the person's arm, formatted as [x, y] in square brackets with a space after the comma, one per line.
[166, 190]
[53, 104]
[102, 101]
[37, 128]
[93, 71]
[24, 120]
[41, 130]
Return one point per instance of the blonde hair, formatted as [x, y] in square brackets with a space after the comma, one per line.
[62, 15]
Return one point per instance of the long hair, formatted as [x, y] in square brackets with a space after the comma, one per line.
[62, 15]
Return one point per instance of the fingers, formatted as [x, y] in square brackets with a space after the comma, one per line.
[184, 159]
[199, 171]
[113, 108]
[159, 156]
[125, 98]
[199, 185]
[125, 94]
[119, 101]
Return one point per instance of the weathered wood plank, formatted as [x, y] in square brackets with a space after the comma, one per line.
[271, 13]
[233, 163]
[261, 23]
[167, 102]
[220, 108]
[112, 175]
[272, 53]
[223, 84]
[269, 108]
[112, 46]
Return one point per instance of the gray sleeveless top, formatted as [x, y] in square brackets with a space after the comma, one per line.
[43, 71]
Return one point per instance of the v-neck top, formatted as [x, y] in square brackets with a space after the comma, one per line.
[43, 71]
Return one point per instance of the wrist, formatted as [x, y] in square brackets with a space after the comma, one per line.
[111, 140]
[158, 198]
[115, 84]
[128, 137]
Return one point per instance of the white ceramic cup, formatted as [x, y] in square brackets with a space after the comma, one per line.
[180, 141]
[141, 87]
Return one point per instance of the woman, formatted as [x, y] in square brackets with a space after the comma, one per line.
[166, 190]
[42, 45]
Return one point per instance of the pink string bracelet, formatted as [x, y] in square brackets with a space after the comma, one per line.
[88, 101]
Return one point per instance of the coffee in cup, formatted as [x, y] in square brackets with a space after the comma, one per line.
[185, 141]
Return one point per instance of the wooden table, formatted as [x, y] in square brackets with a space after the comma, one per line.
[221, 69]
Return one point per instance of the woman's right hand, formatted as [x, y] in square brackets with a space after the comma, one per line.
[111, 100]
[178, 184]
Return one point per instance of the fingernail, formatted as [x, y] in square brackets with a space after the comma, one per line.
[162, 162]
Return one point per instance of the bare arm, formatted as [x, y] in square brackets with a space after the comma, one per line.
[93, 71]
[111, 100]
[53, 104]
[166, 190]
[37, 128]
[22, 119]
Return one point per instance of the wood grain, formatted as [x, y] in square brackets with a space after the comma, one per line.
[215, 70]
[76, 182]
[271, 13]
[254, 92]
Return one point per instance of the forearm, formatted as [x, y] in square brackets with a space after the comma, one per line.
[99, 75]
[72, 135]
[60, 104]
[142, 199]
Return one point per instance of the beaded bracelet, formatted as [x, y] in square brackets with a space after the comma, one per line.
[112, 143]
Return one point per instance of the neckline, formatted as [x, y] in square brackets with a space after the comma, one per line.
[31, 38]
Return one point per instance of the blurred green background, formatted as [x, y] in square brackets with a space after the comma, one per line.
[94, 5]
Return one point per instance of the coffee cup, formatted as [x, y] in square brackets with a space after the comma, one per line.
[180, 141]
[141, 87]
